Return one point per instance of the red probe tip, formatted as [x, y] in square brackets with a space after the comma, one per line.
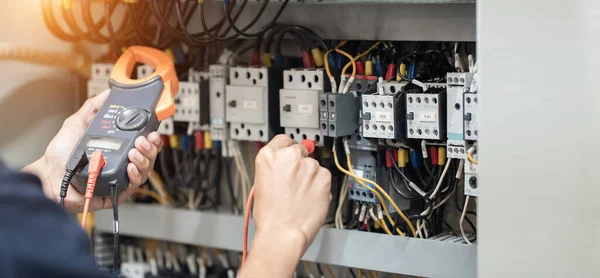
[309, 145]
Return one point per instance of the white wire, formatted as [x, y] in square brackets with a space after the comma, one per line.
[462, 219]
[339, 224]
[439, 184]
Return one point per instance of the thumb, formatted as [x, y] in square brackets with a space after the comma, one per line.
[91, 106]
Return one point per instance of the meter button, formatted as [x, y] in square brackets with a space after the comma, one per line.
[132, 119]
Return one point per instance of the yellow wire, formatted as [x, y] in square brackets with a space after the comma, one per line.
[470, 157]
[387, 196]
[329, 271]
[307, 267]
[157, 183]
[360, 273]
[351, 173]
[360, 56]
[374, 273]
[361, 180]
[152, 194]
[327, 60]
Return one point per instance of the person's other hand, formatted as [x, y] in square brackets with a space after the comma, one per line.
[291, 192]
[51, 167]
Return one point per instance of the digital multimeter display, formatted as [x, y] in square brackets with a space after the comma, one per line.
[105, 143]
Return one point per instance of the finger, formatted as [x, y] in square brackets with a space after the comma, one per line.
[300, 149]
[280, 141]
[155, 139]
[147, 149]
[141, 163]
[135, 176]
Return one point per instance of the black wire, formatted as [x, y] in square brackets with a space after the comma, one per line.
[319, 268]
[352, 272]
[115, 205]
[261, 31]
[234, 201]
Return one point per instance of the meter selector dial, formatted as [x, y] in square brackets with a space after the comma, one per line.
[132, 119]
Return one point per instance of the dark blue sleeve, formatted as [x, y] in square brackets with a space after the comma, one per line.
[37, 237]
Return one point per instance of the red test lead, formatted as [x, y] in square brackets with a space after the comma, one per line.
[94, 168]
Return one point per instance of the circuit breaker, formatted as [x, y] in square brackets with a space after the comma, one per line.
[471, 182]
[457, 85]
[252, 103]
[339, 114]
[426, 114]
[99, 81]
[217, 81]
[299, 102]
[471, 116]
[364, 166]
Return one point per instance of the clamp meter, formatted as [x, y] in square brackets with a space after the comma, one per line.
[133, 108]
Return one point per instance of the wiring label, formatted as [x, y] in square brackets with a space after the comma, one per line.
[383, 117]
[250, 104]
[305, 108]
[428, 117]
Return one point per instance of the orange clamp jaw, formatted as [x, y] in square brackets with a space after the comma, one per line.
[163, 67]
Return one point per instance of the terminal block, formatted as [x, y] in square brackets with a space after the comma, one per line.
[358, 142]
[363, 84]
[471, 116]
[363, 164]
[426, 114]
[217, 81]
[339, 114]
[252, 103]
[299, 102]
[457, 85]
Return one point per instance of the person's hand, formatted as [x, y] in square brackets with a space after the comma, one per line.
[291, 198]
[51, 167]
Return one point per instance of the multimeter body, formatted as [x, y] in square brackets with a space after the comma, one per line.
[122, 119]
[133, 108]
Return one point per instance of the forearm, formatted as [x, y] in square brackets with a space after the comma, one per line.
[274, 254]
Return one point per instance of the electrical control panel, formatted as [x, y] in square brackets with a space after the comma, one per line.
[299, 104]
[457, 85]
[364, 166]
[339, 114]
[426, 114]
[471, 116]
[252, 102]
[100, 78]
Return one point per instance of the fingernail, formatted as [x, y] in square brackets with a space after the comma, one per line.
[135, 170]
[138, 156]
[145, 145]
